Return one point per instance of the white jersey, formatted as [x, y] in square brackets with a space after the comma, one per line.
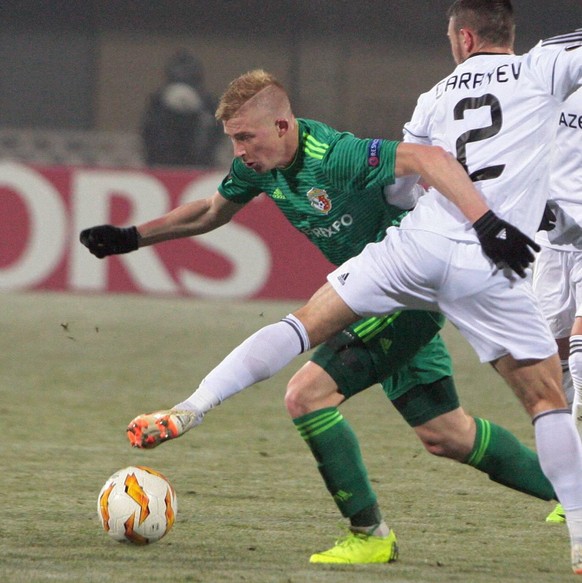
[497, 114]
[566, 180]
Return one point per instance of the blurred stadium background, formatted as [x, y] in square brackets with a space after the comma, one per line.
[75, 83]
[76, 75]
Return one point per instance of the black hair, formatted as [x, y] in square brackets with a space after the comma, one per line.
[492, 20]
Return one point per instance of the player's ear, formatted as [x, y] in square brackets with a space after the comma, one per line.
[469, 40]
[282, 126]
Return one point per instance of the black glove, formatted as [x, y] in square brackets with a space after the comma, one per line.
[107, 240]
[504, 244]
[548, 222]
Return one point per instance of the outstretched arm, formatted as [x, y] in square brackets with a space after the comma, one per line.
[192, 218]
[187, 220]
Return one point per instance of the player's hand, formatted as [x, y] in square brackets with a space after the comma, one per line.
[105, 240]
[548, 222]
[504, 244]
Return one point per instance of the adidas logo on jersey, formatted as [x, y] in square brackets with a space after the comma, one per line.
[342, 278]
[385, 345]
[502, 234]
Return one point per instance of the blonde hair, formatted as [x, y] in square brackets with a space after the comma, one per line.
[259, 86]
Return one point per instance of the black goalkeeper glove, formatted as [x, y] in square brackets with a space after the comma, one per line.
[504, 244]
[107, 240]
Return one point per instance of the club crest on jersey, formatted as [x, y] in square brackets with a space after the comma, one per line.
[319, 200]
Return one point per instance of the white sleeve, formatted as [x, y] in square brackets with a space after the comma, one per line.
[417, 130]
[404, 193]
[559, 62]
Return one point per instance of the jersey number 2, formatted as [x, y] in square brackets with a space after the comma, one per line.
[479, 134]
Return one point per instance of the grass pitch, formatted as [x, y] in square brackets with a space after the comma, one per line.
[76, 369]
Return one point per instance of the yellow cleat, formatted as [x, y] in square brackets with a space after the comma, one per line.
[359, 548]
[150, 429]
[557, 515]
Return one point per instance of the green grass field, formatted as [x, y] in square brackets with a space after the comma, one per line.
[76, 369]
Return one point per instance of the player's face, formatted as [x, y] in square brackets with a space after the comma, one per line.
[457, 42]
[257, 140]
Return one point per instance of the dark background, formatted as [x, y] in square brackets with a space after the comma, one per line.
[358, 65]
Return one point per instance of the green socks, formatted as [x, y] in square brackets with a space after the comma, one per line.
[498, 453]
[339, 460]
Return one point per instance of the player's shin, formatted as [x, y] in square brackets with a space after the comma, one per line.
[575, 365]
[339, 460]
[258, 358]
[560, 452]
[507, 461]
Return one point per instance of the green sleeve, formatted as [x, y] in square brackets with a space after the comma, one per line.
[358, 164]
[237, 186]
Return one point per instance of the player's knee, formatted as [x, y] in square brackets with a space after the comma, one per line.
[434, 441]
[443, 444]
[311, 389]
[297, 400]
[436, 447]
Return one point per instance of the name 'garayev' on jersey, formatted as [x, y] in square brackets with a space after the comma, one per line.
[471, 80]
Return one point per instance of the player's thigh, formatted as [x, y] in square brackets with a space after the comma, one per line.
[348, 361]
[577, 327]
[556, 287]
[421, 402]
[394, 274]
[495, 311]
[374, 348]
[429, 363]
[325, 314]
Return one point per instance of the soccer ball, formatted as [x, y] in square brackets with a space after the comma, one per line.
[137, 505]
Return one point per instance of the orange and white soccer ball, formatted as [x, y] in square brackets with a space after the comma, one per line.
[137, 505]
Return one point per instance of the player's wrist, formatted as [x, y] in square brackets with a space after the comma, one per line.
[131, 237]
[487, 223]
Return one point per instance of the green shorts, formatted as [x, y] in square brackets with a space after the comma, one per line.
[404, 353]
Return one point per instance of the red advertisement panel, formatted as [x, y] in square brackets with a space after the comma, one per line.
[43, 209]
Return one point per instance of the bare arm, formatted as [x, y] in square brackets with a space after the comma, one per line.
[505, 245]
[193, 218]
[440, 169]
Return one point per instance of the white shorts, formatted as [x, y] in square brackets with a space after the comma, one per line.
[557, 284]
[424, 271]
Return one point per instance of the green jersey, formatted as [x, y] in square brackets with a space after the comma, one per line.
[332, 191]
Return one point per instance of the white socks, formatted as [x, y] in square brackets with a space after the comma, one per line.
[575, 365]
[560, 454]
[258, 358]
